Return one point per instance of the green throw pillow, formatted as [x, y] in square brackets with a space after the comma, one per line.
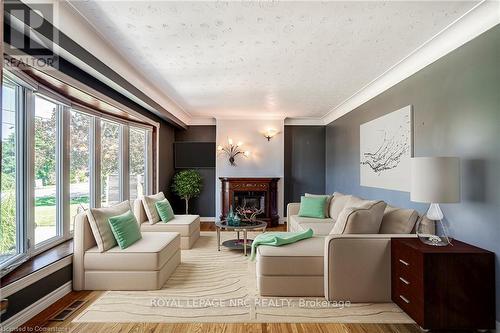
[125, 229]
[164, 210]
[312, 207]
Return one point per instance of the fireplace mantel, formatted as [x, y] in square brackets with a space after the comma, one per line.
[267, 187]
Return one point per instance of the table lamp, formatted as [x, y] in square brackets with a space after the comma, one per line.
[435, 180]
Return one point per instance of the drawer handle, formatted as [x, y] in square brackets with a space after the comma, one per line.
[407, 301]
[404, 262]
[404, 281]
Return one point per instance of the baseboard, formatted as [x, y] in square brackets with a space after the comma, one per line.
[23, 316]
[207, 219]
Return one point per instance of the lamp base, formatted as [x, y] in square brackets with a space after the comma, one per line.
[433, 239]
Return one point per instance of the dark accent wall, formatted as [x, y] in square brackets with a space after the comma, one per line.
[456, 107]
[304, 162]
[199, 133]
[166, 158]
[32, 293]
[204, 205]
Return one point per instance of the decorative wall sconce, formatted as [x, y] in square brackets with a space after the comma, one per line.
[269, 133]
[232, 150]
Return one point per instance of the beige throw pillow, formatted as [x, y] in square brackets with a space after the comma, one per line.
[98, 219]
[339, 202]
[150, 208]
[327, 205]
[365, 219]
[398, 220]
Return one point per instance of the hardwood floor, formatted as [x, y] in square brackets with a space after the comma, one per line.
[40, 322]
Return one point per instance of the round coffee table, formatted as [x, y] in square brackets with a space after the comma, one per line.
[239, 244]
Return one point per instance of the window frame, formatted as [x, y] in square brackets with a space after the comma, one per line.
[20, 179]
[61, 164]
[148, 155]
[91, 164]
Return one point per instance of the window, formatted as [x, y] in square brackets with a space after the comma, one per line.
[80, 161]
[9, 221]
[45, 170]
[137, 162]
[110, 163]
[58, 161]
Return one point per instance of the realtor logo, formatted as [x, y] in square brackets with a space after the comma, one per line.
[29, 33]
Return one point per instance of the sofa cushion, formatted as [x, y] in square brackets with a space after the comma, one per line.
[98, 220]
[365, 219]
[398, 220]
[337, 203]
[149, 253]
[320, 227]
[328, 200]
[150, 208]
[355, 201]
[303, 258]
[185, 225]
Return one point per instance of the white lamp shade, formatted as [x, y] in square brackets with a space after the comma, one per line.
[435, 179]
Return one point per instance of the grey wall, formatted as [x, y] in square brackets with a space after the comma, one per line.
[456, 103]
[304, 161]
[204, 205]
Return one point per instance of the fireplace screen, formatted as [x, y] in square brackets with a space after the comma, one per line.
[251, 200]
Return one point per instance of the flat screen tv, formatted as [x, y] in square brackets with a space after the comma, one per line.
[194, 155]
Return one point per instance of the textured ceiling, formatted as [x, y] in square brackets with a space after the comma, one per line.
[258, 59]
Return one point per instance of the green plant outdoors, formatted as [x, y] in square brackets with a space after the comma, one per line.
[187, 184]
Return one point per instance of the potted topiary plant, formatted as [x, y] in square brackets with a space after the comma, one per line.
[187, 184]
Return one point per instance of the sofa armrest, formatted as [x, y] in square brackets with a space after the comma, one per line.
[358, 267]
[291, 209]
[83, 239]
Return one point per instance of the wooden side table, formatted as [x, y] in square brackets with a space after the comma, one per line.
[451, 287]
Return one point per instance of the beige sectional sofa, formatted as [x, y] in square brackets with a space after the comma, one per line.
[145, 265]
[188, 226]
[343, 266]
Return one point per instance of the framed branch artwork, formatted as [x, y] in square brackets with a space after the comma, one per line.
[386, 146]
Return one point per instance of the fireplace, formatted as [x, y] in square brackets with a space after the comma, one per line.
[259, 193]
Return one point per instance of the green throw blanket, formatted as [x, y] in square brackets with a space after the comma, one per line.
[278, 239]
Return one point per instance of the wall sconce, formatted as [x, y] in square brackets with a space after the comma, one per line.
[269, 133]
[232, 150]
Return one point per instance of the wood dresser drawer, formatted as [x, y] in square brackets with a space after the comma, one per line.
[406, 262]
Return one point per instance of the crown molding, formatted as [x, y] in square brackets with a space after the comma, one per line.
[250, 117]
[304, 122]
[476, 21]
[198, 121]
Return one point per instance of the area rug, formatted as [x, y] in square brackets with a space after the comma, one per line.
[213, 286]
